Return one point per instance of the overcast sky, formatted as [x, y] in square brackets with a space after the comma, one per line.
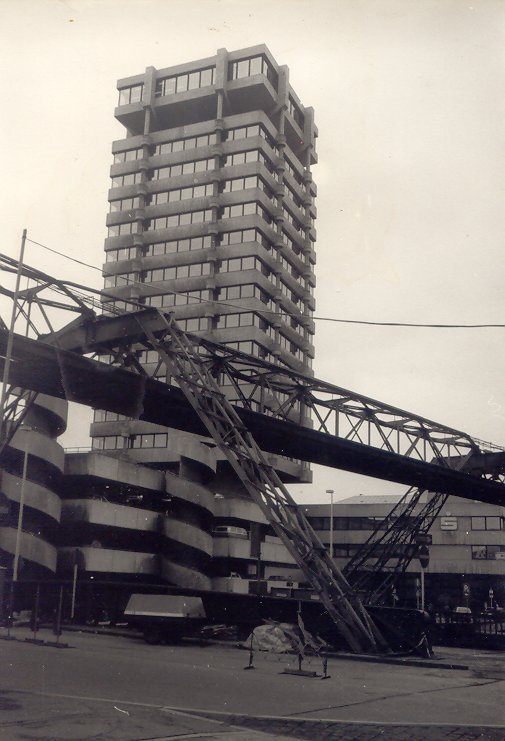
[409, 102]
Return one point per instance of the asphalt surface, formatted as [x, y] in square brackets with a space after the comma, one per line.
[107, 687]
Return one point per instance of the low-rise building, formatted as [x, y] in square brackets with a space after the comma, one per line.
[467, 554]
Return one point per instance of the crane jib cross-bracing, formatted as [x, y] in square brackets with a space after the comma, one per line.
[264, 486]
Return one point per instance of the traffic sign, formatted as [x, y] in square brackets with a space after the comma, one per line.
[424, 539]
[423, 555]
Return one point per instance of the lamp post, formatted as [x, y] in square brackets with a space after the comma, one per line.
[423, 555]
[331, 493]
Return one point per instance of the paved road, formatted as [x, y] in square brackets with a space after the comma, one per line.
[106, 687]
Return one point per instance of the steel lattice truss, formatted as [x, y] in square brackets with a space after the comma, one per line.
[254, 384]
[283, 392]
[36, 309]
[202, 370]
[259, 478]
[388, 551]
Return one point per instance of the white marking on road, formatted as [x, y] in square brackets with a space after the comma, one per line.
[121, 711]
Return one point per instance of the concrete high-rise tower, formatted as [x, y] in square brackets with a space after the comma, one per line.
[212, 216]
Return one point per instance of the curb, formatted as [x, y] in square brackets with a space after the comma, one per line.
[428, 663]
[310, 728]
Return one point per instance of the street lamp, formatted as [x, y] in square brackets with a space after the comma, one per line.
[331, 493]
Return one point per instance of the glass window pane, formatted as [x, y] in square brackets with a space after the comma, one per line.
[194, 80]
[136, 93]
[478, 523]
[170, 86]
[206, 77]
[182, 83]
[178, 145]
[242, 69]
[256, 66]
[493, 523]
[124, 97]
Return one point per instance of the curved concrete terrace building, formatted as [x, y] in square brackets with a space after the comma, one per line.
[37, 441]
[126, 522]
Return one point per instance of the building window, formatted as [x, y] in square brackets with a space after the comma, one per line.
[118, 230]
[128, 156]
[179, 245]
[293, 171]
[487, 523]
[182, 219]
[158, 440]
[245, 209]
[258, 65]
[295, 111]
[246, 319]
[189, 81]
[248, 290]
[186, 168]
[182, 194]
[244, 263]
[121, 279]
[131, 94]
[131, 178]
[100, 415]
[246, 132]
[179, 271]
[169, 300]
[252, 181]
[195, 324]
[488, 552]
[245, 235]
[124, 253]
[179, 145]
[248, 347]
[124, 204]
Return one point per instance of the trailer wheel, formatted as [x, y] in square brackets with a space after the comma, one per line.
[152, 635]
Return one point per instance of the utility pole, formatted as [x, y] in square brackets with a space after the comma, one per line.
[10, 339]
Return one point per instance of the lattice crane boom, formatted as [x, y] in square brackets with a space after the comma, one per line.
[395, 539]
[265, 488]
